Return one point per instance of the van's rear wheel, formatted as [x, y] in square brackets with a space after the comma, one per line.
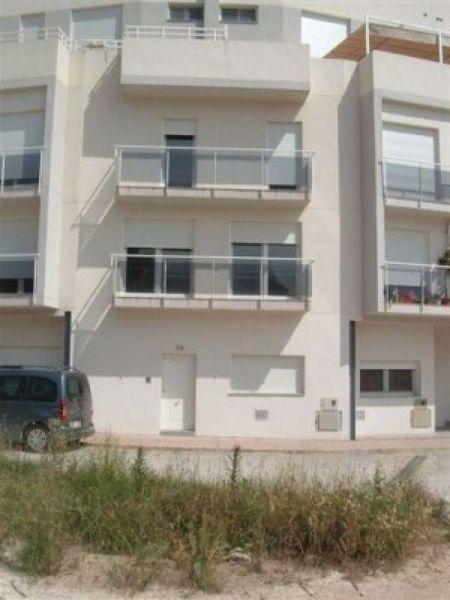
[36, 438]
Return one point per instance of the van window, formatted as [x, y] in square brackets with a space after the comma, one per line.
[41, 389]
[10, 388]
[73, 388]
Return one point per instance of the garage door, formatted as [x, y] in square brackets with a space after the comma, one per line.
[30, 355]
[31, 341]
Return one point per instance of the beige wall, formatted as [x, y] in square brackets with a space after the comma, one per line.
[342, 229]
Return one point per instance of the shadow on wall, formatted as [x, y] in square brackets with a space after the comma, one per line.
[350, 211]
[102, 113]
[96, 224]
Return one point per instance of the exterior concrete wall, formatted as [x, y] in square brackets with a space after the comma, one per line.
[389, 344]
[342, 228]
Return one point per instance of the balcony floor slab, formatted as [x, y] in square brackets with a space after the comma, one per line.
[212, 196]
[209, 303]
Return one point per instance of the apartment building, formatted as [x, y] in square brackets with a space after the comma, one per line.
[234, 216]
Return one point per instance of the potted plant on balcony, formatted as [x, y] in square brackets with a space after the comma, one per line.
[444, 261]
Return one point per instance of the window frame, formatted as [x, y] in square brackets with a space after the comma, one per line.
[239, 9]
[301, 377]
[265, 259]
[386, 370]
[22, 383]
[159, 277]
[26, 390]
[186, 7]
[118, 7]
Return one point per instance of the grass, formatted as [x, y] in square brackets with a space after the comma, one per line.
[107, 507]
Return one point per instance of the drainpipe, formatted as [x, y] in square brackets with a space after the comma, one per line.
[352, 366]
[68, 338]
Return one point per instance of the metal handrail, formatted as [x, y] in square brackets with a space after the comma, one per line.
[29, 257]
[72, 44]
[203, 283]
[430, 267]
[140, 148]
[193, 257]
[212, 178]
[412, 163]
[176, 32]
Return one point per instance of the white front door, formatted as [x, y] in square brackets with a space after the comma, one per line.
[282, 140]
[178, 393]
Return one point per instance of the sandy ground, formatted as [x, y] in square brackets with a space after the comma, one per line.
[90, 577]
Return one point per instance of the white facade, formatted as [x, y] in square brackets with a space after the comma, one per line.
[214, 203]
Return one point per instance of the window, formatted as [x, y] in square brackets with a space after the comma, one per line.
[180, 160]
[410, 154]
[256, 270]
[272, 375]
[323, 33]
[23, 133]
[159, 271]
[33, 25]
[238, 14]
[388, 381]
[41, 389]
[97, 23]
[186, 14]
[10, 388]
[371, 380]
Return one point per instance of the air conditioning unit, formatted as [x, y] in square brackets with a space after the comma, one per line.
[329, 420]
[420, 417]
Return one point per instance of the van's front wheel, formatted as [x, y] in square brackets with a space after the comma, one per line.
[36, 438]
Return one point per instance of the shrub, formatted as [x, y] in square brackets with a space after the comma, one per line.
[107, 506]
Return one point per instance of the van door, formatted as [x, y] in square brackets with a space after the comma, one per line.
[11, 405]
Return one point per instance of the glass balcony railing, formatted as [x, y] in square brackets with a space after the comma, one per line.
[203, 168]
[17, 274]
[20, 168]
[415, 181]
[415, 284]
[209, 277]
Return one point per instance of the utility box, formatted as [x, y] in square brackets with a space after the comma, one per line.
[329, 420]
[420, 417]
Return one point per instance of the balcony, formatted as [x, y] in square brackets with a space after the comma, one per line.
[416, 185]
[193, 62]
[20, 173]
[18, 280]
[416, 289]
[183, 281]
[215, 176]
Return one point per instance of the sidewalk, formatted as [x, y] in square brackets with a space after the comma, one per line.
[434, 443]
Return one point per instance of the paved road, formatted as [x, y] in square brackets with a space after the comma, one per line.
[431, 467]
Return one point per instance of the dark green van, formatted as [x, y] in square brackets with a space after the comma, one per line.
[36, 401]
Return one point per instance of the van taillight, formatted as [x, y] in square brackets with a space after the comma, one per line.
[62, 411]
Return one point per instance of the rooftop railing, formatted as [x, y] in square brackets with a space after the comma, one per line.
[416, 284]
[423, 182]
[406, 38]
[176, 32]
[17, 275]
[206, 167]
[56, 33]
[182, 274]
[21, 168]
[31, 35]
